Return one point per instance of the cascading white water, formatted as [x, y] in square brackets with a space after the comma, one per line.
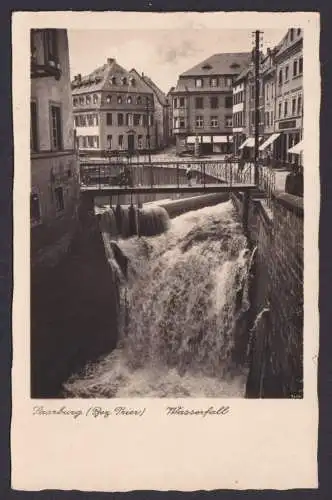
[185, 298]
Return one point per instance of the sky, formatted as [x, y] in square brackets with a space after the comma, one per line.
[161, 54]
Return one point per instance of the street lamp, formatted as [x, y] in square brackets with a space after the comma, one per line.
[148, 105]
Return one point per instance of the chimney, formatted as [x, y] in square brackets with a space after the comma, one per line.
[110, 61]
[79, 77]
[142, 74]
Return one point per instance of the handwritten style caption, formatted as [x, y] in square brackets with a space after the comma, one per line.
[98, 412]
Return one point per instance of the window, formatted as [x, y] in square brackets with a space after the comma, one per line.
[286, 73]
[139, 100]
[214, 121]
[291, 34]
[109, 119]
[81, 100]
[228, 102]
[90, 141]
[279, 113]
[228, 121]
[75, 101]
[214, 82]
[88, 99]
[272, 117]
[293, 106]
[59, 201]
[50, 46]
[137, 120]
[300, 65]
[299, 32]
[228, 81]
[95, 98]
[299, 105]
[33, 127]
[175, 103]
[181, 102]
[108, 99]
[113, 80]
[120, 119]
[176, 122]
[151, 119]
[109, 142]
[294, 68]
[213, 102]
[199, 102]
[280, 77]
[129, 100]
[95, 119]
[199, 121]
[132, 82]
[90, 120]
[272, 90]
[252, 92]
[285, 108]
[119, 99]
[267, 89]
[56, 132]
[129, 119]
[124, 81]
[76, 121]
[120, 139]
[96, 141]
[140, 142]
[182, 123]
[199, 82]
[35, 215]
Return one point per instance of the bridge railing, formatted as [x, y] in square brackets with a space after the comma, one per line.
[166, 173]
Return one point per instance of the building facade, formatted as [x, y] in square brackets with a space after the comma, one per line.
[161, 111]
[289, 94]
[114, 111]
[202, 103]
[54, 164]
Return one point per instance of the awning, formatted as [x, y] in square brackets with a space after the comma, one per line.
[297, 149]
[220, 139]
[206, 138]
[248, 143]
[269, 141]
[191, 139]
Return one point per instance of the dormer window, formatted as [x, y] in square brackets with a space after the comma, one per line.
[113, 80]
[214, 82]
[198, 82]
[95, 98]
[139, 100]
[207, 66]
[129, 100]
[124, 81]
[108, 99]
[132, 82]
[235, 65]
[119, 100]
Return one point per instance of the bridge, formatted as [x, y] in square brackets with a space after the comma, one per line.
[107, 179]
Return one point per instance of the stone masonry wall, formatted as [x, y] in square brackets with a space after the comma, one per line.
[277, 233]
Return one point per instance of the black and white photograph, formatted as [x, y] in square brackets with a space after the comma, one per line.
[165, 311]
[167, 213]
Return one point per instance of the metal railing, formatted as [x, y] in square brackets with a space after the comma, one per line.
[173, 173]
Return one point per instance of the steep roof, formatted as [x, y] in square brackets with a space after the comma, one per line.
[101, 79]
[220, 64]
[153, 86]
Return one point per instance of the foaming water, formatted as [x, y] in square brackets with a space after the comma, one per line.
[184, 300]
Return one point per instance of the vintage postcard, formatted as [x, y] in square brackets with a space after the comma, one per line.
[165, 315]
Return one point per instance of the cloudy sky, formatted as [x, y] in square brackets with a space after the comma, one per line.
[160, 54]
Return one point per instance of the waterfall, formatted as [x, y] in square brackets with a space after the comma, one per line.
[187, 298]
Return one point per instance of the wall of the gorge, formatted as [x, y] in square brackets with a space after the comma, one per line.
[276, 229]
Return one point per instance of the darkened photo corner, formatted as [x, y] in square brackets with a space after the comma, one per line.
[166, 213]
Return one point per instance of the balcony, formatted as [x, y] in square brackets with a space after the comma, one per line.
[50, 68]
